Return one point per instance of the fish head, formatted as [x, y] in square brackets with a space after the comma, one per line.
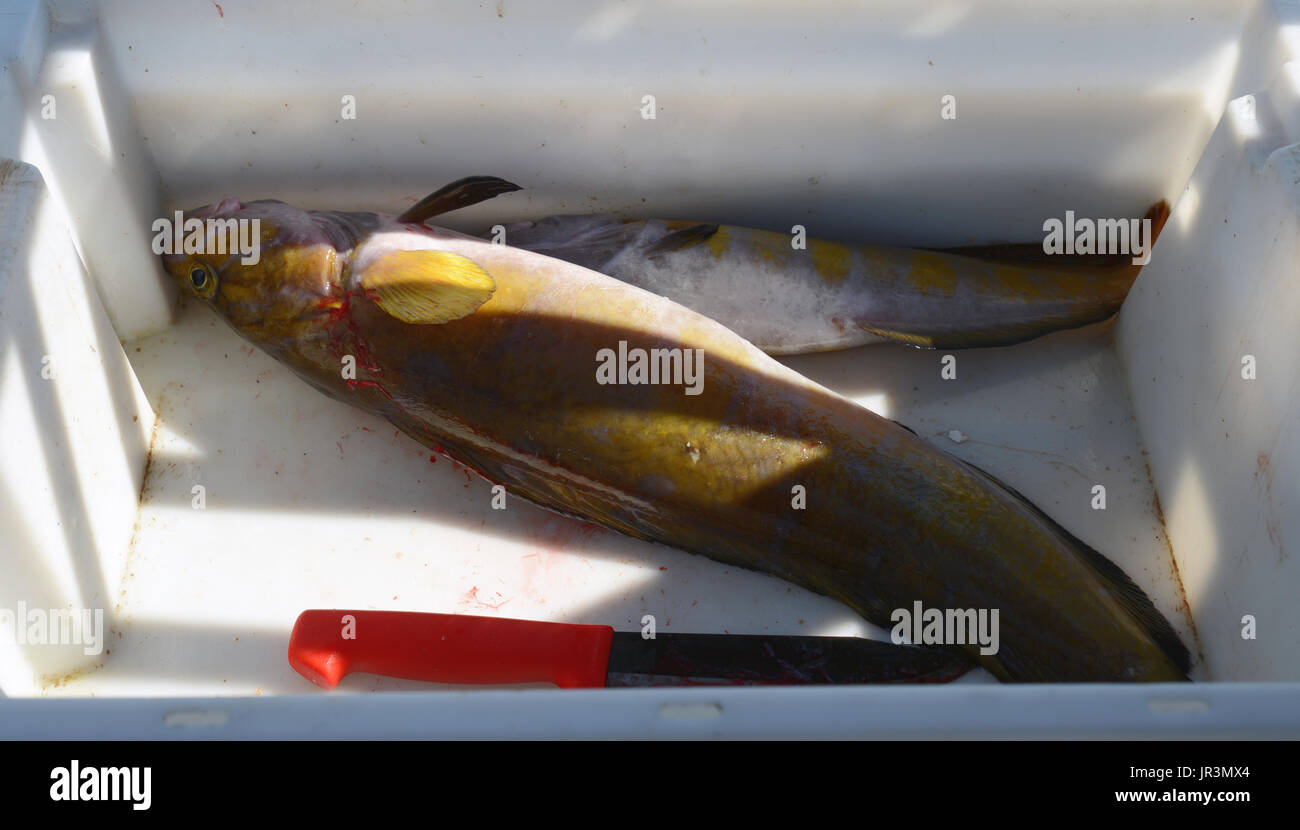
[269, 269]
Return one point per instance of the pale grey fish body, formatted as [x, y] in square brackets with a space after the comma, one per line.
[827, 295]
[782, 307]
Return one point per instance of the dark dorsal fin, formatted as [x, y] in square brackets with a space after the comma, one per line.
[684, 238]
[587, 240]
[461, 193]
[1130, 596]
[905, 426]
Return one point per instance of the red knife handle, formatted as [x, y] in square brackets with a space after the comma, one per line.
[447, 648]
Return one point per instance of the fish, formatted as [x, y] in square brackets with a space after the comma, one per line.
[828, 295]
[493, 355]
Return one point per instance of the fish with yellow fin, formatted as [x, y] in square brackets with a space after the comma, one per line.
[492, 354]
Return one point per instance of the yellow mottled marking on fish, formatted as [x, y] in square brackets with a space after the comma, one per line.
[831, 260]
[1027, 285]
[933, 274]
[305, 262]
[771, 246]
[719, 241]
[748, 473]
[880, 264]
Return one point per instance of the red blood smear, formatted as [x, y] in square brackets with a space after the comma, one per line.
[353, 384]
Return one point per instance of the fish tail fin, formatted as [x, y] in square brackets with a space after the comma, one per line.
[1158, 216]
[1117, 279]
[1137, 603]
[1087, 289]
[1126, 592]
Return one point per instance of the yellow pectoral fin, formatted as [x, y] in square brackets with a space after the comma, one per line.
[427, 286]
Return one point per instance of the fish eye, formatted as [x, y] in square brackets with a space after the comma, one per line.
[203, 280]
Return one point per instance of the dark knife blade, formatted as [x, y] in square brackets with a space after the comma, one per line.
[769, 659]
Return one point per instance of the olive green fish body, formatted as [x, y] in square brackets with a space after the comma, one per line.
[518, 389]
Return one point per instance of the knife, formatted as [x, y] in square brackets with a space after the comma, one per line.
[458, 648]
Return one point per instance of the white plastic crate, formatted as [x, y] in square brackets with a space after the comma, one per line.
[824, 114]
